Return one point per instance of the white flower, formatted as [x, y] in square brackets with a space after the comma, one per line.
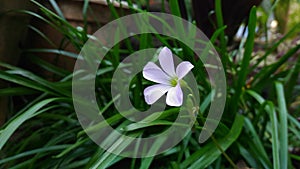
[167, 78]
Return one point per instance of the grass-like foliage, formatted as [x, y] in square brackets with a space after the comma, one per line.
[259, 126]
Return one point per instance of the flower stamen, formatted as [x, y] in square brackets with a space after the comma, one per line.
[174, 81]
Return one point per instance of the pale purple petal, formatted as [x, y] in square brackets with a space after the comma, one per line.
[166, 61]
[183, 69]
[175, 96]
[153, 73]
[154, 92]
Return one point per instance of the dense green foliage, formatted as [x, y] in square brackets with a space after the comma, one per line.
[259, 125]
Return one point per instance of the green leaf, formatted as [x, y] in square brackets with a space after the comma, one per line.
[49, 67]
[175, 8]
[16, 91]
[256, 145]
[32, 152]
[209, 153]
[242, 74]
[55, 51]
[19, 120]
[30, 80]
[220, 24]
[267, 72]
[119, 144]
[141, 125]
[275, 141]
[146, 162]
[57, 9]
[283, 130]
[275, 46]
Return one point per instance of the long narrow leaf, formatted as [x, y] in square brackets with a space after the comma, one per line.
[19, 120]
[209, 153]
[265, 74]
[242, 74]
[32, 152]
[283, 134]
[275, 141]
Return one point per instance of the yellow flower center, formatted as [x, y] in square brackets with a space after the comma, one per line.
[174, 81]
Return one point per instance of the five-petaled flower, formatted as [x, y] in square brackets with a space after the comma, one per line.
[167, 78]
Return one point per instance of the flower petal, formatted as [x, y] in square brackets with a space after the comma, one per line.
[175, 96]
[183, 69]
[154, 92]
[153, 73]
[166, 61]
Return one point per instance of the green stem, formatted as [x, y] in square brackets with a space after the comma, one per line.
[223, 152]
[193, 112]
[218, 146]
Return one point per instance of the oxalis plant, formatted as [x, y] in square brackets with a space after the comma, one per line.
[168, 80]
[258, 128]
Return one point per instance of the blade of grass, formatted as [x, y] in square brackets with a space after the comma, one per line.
[14, 124]
[57, 9]
[33, 14]
[257, 145]
[30, 80]
[248, 49]
[24, 82]
[85, 14]
[146, 162]
[116, 16]
[220, 24]
[267, 72]
[242, 74]
[247, 156]
[275, 46]
[117, 147]
[291, 81]
[16, 91]
[72, 147]
[209, 153]
[43, 36]
[175, 10]
[32, 152]
[283, 124]
[75, 36]
[136, 126]
[55, 51]
[207, 101]
[199, 65]
[49, 67]
[50, 13]
[283, 134]
[294, 121]
[275, 142]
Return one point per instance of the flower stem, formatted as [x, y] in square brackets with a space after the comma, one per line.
[217, 144]
[223, 152]
[195, 109]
